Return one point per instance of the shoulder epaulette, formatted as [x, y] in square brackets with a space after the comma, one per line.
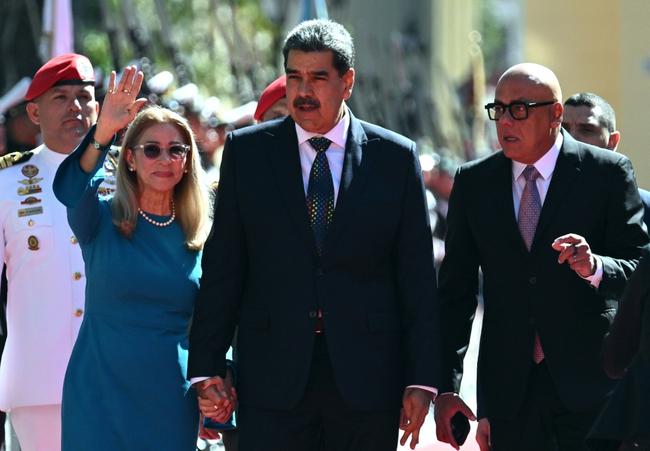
[14, 158]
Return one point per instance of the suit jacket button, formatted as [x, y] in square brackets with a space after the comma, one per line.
[313, 314]
[532, 280]
[320, 272]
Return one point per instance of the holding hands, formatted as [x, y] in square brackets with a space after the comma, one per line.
[217, 397]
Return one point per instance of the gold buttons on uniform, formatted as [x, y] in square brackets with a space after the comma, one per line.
[32, 243]
[31, 223]
[73, 239]
[76, 275]
[78, 312]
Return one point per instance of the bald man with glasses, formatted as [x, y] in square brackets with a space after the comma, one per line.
[555, 226]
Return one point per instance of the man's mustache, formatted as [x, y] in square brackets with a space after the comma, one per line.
[308, 101]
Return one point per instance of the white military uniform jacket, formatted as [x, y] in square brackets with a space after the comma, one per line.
[45, 273]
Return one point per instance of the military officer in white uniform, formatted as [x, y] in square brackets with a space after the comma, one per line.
[45, 271]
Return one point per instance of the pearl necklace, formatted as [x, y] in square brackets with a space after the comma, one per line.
[159, 223]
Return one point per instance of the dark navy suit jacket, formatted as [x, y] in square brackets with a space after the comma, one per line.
[375, 281]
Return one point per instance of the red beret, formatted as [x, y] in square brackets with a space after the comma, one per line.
[68, 68]
[273, 92]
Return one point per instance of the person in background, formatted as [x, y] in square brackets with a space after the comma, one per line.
[272, 103]
[46, 279]
[623, 425]
[125, 386]
[591, 119]
[556, 226]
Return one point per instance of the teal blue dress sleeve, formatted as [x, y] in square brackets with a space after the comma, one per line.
[77, 190]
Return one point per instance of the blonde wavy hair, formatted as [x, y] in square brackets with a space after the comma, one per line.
[192, 194]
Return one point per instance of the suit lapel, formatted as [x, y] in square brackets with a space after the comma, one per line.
[353, 179]
[565, 173]
[284, 161]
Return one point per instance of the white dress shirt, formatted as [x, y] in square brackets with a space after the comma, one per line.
[338, 135]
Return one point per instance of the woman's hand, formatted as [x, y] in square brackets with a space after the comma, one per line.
[120, 104]
[217, 397]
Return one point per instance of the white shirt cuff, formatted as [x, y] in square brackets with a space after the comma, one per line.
[196, 380]
[434, 391]
[597, 276]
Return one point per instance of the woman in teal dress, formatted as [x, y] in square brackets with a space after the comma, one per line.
[125, 386]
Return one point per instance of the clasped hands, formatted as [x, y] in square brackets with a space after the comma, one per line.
[217, 397]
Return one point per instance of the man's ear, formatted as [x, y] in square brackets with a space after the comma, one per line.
[557, 110]
[348, 79]
[614, 139]
[33, 112]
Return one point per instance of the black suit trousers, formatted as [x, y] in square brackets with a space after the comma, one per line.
[543, 423]
[320, 422]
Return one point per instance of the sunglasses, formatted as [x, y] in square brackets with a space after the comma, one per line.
[153, 151]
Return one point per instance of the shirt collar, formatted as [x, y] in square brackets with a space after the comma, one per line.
[544, 165]
[338, 134]
[52, 157]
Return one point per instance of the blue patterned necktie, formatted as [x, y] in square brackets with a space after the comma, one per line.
[529, 210]
[320, 192]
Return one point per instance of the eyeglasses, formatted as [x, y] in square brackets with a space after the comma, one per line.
[153, 151]
[518, 110]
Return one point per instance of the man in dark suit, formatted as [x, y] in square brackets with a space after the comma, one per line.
[556, 227]
[591, 119]
[321, 253]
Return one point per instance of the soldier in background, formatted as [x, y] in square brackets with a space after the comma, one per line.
[46, 283]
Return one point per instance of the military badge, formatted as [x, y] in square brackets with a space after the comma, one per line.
[29, 189]
[29, 171]
[104, 191]
[30, 211]
[31, 200]
[32, 243]
[30, 181]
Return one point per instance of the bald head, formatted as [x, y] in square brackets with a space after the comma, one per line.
[529, 98]
[537, 76]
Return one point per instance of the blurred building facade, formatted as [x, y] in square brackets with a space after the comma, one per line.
[599, 46]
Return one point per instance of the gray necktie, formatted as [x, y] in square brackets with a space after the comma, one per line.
[529, 207]
[529, 210]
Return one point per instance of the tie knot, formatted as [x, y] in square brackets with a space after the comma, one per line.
[530, 173]
[320, 143]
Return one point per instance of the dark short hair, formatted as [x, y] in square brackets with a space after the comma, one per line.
[607, 117]
[321, 35]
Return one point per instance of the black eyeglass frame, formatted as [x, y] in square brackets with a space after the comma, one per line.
[490, 108]
[158, 149]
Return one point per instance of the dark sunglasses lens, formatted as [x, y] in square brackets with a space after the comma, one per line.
[151, 151]
[177, 152]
